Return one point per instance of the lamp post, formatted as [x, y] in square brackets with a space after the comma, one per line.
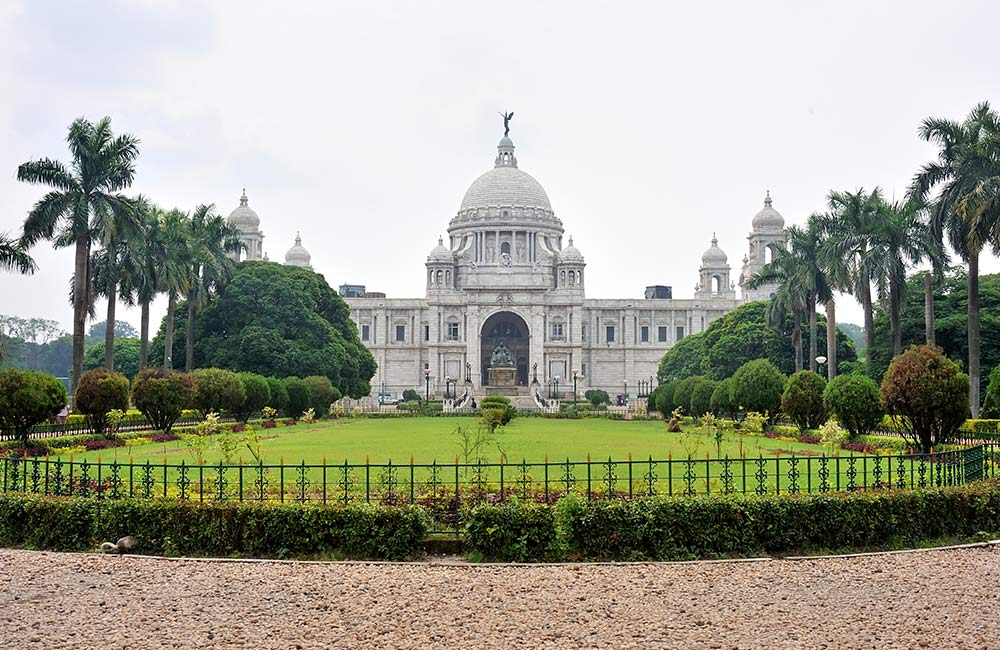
[625, 382]
[574, 390]
[427, 386]
[820, 360]
[557, 387]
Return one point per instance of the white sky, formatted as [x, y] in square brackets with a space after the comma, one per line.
[650, 125]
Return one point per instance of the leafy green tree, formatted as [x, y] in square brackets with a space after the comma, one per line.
[664, 400]
[13, 257]
[684, 359]
[84, 199]
[684, 390]
[596, 397]
[722, 402]
[965, 209]
[126, 357]
[991, 403]
[161, 395]
[858, 336]
[927, 394]
[701, 397]
[99, 392]
[854, 400]
[98, 331]
[175, 230]
[258, 395]
[279, 394]
[322, 393]
[299, 396]
[283, 321]
[803, 400]
[758, 386]
[217, 391]
[27, 398]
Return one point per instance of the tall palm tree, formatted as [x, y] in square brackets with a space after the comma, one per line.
[806, 243]
[790, 295]
[85, 196]
[897, 241]
[964, 176]
[13, 257]
[175, 228]
[210, 244]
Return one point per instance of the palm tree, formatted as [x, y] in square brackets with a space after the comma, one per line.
[783, 270]
[965, 177]
[13, 257]
[211, 241]
[806, 243]
[85, 196]
[174, 230]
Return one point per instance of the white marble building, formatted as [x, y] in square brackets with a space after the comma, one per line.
[504, 274]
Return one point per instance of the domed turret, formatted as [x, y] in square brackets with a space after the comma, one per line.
[569, 274]
[297, 255]
[570, 254]
[246, 221]
[440, 253]
[714, 256]
[244, 217]
[768, 218]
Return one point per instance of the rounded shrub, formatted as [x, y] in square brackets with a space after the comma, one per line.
[701, 397]
[411, 395]
[596, 397]
[99, 392]
[927, 393]
[27, 398]
[322, 393]
[757, 386]
[854, 401]
[684, 391]
[279, 394]
[722, 402]
[258, 395]
[299, 396]
[217, 391]
[162, 395]
[665, 398]
[802, 400]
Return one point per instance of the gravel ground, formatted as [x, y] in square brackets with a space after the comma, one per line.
[935, 599]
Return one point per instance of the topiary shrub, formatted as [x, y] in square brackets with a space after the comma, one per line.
[701, 397]
[722, 402]
[258, 395]
[927, 395]
[322, 393]
[854, 400]
[803, 400]
[27, 398]
[757, 386]
[496, 411]
[162, 395]
[411, 395]
[98, 392]
[299, 396]
[684, 391]
[665, 398]
[217, 391]
[279, 394]
[596, 396]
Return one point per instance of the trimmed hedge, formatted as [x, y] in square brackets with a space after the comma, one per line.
[216, 529]
[722, 526]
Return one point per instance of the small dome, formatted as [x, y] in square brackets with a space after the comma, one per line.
[297, 255]
[440, 253]
[768, 218]
[243, 217]
[714, 256]
[570, 254]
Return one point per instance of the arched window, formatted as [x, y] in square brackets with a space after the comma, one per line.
[430, 277]
[572, 278]
[440, 278]
[562, 278]
[505, 247]
[447, 278]
[716, 284]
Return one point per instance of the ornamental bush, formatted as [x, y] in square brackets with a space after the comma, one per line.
[27, 398]
[927, 394]
[161, 395]
[722, 402]
[665, 398]
[596, 396]
[701, 397]
[299, 396]
[802, 400]
[258, 395]
[683, 392]
[279, 394]
[217, 391]
[854, 401]
[757, 386]
[98, 392]
[411, 395]
[322, 393]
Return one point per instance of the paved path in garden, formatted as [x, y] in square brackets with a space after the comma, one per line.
[939, 599]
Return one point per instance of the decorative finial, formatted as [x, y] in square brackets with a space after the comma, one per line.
[571, 240]
[440, 240]
[298, 238]
[506, 122]
[714, 240]
[243, 198]
[767, 199]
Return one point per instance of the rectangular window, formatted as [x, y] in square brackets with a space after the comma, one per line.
[400, 333]
[661, 334]
[427, 332]
[680, 333]
[610, 333]
[365, 332]
[583, 370]
[644, 334]
[452, 331]
[583, 333]
[557, 330]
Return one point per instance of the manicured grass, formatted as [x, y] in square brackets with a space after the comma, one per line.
[434, 439]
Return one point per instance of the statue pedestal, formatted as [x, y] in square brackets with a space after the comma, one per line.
[502, 376]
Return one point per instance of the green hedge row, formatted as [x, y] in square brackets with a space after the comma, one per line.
[726, 526]
[217, 529]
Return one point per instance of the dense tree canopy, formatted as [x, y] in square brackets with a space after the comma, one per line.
[740, 336]
[279, 320]
[126, 356]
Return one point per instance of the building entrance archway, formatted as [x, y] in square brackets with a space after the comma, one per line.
[513, 331]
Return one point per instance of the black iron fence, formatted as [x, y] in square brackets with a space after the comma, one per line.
[81, 427]
[446, 488]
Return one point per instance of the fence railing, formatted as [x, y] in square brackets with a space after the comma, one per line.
[446, 488]
[40, 431]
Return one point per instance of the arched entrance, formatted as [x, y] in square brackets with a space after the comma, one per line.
[513, 331]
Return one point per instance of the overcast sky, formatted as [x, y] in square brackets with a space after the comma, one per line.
[650, 125]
